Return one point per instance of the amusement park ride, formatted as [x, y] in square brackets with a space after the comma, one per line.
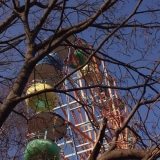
[65, 126]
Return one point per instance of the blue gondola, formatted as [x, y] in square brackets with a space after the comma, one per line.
[54, 60]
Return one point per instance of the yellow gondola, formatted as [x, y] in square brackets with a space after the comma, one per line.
[41, 102]
[91, 74]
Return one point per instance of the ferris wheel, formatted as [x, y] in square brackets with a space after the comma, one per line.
[66, 126]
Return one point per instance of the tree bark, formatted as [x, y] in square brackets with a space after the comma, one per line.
[99, 141]
[124, 154]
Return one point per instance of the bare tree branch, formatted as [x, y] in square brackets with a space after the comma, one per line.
[99, 141]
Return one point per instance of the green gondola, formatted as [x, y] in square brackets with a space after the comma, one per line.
[77, 59]
[42, 149]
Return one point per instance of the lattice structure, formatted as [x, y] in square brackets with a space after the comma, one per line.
[84, 109]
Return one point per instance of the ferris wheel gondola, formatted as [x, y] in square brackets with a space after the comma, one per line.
[49, 123]
[48, 70]
[42, 149]
[41, 102]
